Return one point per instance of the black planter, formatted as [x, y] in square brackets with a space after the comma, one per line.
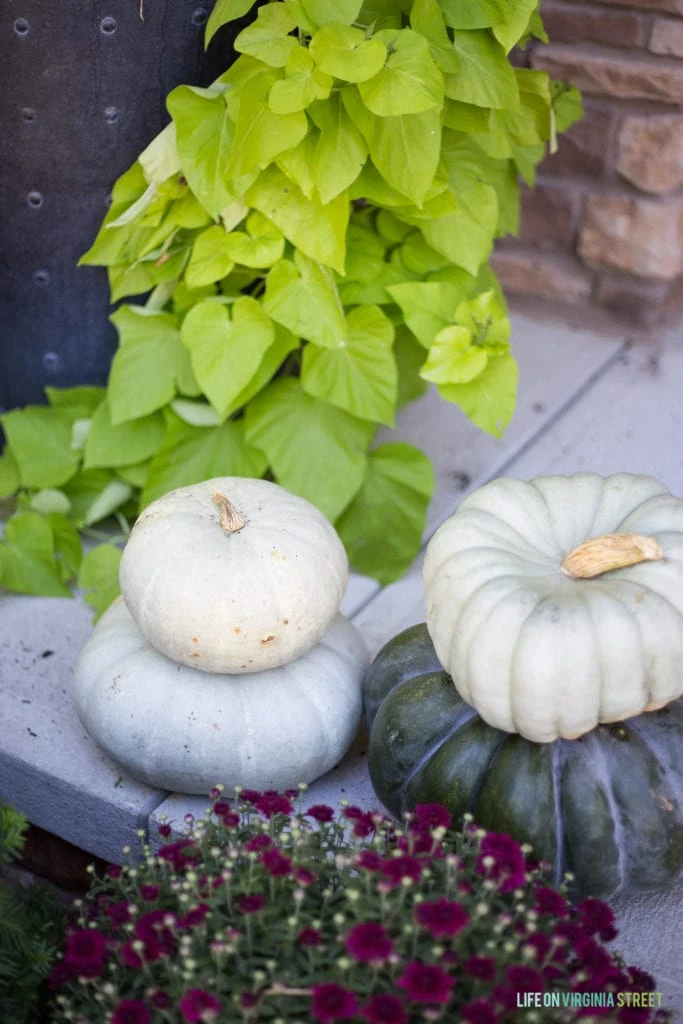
[83, 90]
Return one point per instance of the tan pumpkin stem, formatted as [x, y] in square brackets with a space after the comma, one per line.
[611, 551]
[231, 520]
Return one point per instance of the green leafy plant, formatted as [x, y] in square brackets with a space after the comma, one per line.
[313, 234]
[264, 913]
[31, 927]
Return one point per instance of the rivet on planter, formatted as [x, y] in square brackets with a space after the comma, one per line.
[21, 27]
[199, 16]
[35, 200]
[108, 26]
[111, 115]
[28, 114]
[41, 278]
[51, 362]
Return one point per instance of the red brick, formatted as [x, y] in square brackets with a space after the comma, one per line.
[670, 6]
[570, 23]
[650, 152]
[583, 149]
[554, 277]
[667, 37]
[645, 303]
[626, 76]
[638, 235]
[549, 213]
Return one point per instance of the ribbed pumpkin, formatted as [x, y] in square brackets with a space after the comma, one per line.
[179, 729]
[557, 603]
[607, 806]
[233, 575]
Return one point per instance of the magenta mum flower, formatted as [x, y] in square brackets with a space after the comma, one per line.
[482, 967]
[363, 826]
[198, 1005]
[320, 812]
[275, 863]
[257, 843]
[442, 917]
[250, 796]
[251, 903]
[149, 892]
[550, 902]
[405, 866]
[160, 999]
[248, 1000]
[271, 804]
[150, 952]
[221, 807]
[86, 951]
[370, 860]
[479, 1012]
[369, 942]
[332, 1002]
[429, 816]
[596, 917]
[426, 983]
[152, 929]
[508, 867]
[303, 876]
[59, 975]
[194, 916]
[385, 1009]
[131, 1011]
[118, 913]
[309, 937]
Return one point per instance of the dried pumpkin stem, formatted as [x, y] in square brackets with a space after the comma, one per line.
[611, 551]
[231, 520]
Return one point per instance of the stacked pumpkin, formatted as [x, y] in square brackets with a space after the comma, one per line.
[542, 694]
[226, 659]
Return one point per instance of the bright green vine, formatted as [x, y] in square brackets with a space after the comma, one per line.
[313, 233]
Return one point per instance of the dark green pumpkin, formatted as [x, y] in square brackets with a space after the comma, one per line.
[607, 806]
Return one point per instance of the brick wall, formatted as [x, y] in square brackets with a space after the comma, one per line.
[605, 222]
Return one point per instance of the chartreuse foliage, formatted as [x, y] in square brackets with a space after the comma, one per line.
[313, 232]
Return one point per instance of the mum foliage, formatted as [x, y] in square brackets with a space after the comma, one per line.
[313, 232]
[262, 912]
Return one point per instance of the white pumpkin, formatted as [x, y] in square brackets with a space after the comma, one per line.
[233, 575]
[547, 622]
[183, 730]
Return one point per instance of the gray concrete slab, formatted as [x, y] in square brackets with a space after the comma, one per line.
[49, 767]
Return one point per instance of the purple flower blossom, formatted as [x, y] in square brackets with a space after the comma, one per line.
[481, 967]
[426, 983]
[508, 867]
[251, 903]
[86, 951]
[384, 1009]
[595, 917]
[321, 813]
[479, 1012]
[309, 937]
[275, 863]
[442, 917]
[369, 942]
[332, 1002]
[149, 892]
[524, 979]
[405, 866]
[429, 816]
[198, 1005]
[550, 902]
[130, 1011]
[271, 804]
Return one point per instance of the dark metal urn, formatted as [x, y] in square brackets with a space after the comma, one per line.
[83, 91]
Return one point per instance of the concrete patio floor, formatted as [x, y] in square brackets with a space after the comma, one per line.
[588, 401]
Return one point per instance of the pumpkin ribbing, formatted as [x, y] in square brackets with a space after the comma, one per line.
[610, 551]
